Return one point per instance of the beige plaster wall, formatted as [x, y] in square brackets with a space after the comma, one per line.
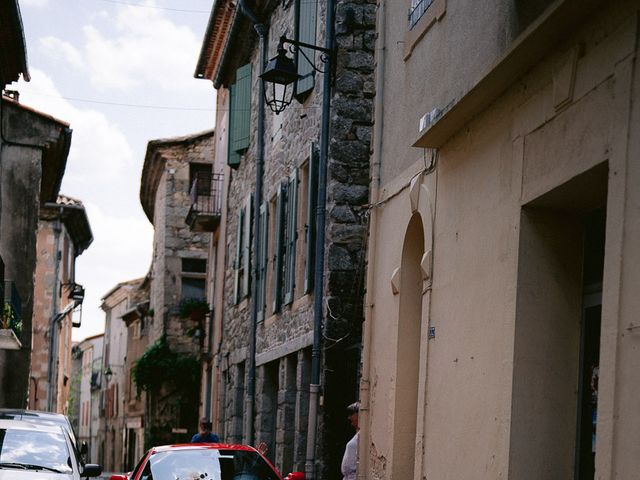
[540, 134]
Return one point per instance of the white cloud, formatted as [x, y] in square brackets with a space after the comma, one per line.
[99, 149]
[146, 47]
[34, 3]
[60, 50]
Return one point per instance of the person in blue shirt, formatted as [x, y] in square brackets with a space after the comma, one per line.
[205, 435]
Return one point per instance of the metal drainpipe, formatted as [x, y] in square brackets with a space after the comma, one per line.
[262, 31]
[365, 382]
[53, 334]
[318, 312]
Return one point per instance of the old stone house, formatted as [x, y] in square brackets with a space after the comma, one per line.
[501, 334]
[34, 152]
[84, 411]
[266, 332]
[177, 283]
[63, 234]
[115, 380]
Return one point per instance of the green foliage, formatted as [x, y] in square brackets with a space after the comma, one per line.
[193, 306]
[10, 319]
[159, 367]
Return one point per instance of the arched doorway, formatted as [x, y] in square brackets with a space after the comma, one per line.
[408, 351]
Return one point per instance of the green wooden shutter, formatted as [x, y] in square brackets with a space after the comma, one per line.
[262, 260]
[290, 242]
[306, 33]
[237, 264]
[246, 245]
[278, 247]
[312, 199]
[233, 157]
[242, 109]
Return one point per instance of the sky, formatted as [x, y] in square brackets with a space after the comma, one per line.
[121, 74]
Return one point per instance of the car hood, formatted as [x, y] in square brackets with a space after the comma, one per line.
[13, 474]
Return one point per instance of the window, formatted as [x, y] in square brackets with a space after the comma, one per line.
[239, 115]
[417, 10]
[193, 278]
[201, 172]
[242, 263]
[278, 245]
[262, 261]
[306, 12]
[291, 234]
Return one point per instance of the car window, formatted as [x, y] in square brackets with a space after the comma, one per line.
[210, 464]
[34, 448]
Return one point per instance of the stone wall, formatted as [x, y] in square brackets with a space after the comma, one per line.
[284, 339]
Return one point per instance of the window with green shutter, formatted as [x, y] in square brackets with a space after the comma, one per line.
[278, 247]
[312, 194]
[239, 115]
[246, 245]
[290, 238]
[237, 263]
[306, 12]
[263, 248]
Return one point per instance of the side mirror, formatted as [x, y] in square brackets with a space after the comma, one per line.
[295, 476]
[91, 470]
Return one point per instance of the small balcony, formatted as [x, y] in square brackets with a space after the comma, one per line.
[206, 202]
[11, 319]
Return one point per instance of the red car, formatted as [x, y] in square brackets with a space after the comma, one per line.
[203, 461]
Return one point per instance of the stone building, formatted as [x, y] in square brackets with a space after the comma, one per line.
[63, 234]
[177, 281]
[34, 152]
[87, 397]
[501, 335]
[264, 337]
[136, 319]
[115, 377]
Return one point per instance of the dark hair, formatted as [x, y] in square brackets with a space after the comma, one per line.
[353, 408]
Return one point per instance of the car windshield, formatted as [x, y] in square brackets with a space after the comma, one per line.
[210, 464]
[34, 450]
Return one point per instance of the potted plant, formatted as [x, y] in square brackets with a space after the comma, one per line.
[193, 308]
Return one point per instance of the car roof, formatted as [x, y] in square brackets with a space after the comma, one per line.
[20, 425]
[202, 446]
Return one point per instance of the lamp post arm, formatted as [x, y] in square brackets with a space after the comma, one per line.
[298, 44]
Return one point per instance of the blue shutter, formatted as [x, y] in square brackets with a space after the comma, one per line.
[291, 236]
[246, 245]
[312, 198]
[242, 109]
[278, 247]
[233, 157]
[306, 33]
[262, 261]
[237, 263]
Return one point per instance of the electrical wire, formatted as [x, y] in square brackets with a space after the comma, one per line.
[131, 4]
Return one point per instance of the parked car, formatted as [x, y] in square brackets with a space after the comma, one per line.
[29, 451]
[213, 461]
[44, 418]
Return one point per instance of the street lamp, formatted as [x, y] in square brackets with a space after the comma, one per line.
[281, 73]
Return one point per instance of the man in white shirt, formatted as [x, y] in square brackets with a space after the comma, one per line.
[350, 458]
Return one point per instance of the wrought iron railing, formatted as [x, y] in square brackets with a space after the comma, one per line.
[206, 196]
[417, 10]
[12, 308]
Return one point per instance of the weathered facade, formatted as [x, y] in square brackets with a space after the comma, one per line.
[87, 396]
[63, 234]
[34, 154]
[501, 312]
[178, 276]
[136, 320]
[269, 218]
[115, 376]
